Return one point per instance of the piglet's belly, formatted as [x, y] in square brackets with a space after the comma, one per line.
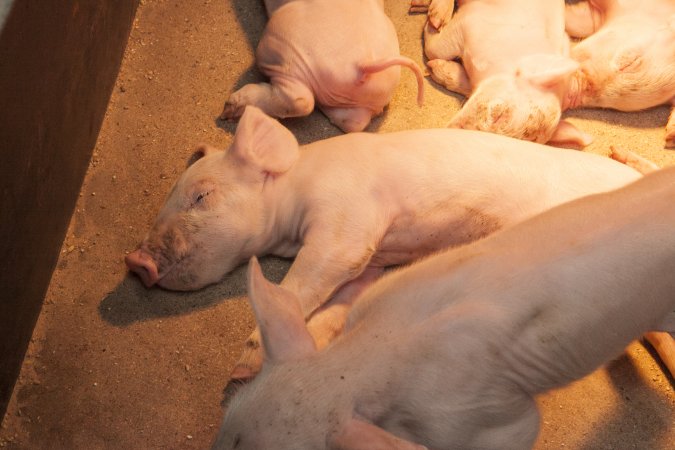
[412, 238]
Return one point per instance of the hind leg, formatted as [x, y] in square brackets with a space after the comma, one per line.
[445, 43]
[513, 425]
[664, 345]
[279, 98]
[349, 120]
[670, 128]
[451, 75]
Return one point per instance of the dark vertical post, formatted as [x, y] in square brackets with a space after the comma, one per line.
[58, 64]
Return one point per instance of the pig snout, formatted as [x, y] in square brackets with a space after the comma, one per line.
[144, 266]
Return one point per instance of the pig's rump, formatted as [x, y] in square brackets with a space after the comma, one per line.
[325, 46]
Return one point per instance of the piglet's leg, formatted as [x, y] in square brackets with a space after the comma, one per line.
[349, 120]
[569, 136]
[580, 19]
[324, 325]
[328, 321]
[670, 128]
[637, 162]
[664, 345]
[280, 98]
[451, 75]
[439, 11]
[315, 276]
[446, 43]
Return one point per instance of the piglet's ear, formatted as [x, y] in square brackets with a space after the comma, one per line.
[568, 136]
[546, 71]
[281, 322]
[360, 435]
[201, 151]
[263, 143]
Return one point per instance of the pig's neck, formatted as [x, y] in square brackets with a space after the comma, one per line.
[576, 91]
[284, 210]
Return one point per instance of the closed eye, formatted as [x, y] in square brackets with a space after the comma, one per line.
[199, 198]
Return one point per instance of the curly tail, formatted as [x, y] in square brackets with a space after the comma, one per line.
[379, 66]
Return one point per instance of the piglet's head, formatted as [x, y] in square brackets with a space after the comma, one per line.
[215, 216]
[525, 105]
[292, 403]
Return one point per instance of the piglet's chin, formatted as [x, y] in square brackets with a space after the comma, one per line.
[173, 283]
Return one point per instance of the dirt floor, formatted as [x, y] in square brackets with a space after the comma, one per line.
[114, 365]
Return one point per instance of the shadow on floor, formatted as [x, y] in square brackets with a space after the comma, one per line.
[131, 302]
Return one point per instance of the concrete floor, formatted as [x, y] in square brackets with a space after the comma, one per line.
[113, 365]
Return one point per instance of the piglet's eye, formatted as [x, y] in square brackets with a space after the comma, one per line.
[200, 197]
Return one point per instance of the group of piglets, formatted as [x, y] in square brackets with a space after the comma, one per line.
[515, 303]
[518, 72]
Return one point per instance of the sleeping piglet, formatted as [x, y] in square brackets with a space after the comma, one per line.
[342, 55]
[514, 65]
[628, 62]
[450, 352]
[348, 206]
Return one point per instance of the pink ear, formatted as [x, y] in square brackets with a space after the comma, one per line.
[568, 136]
[263, 143]
[546, 70]
[360, 435]
[281, 322]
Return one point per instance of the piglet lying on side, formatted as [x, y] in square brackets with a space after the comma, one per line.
[450, 352]
[342, 55]
[628, 63]
[514, 65]
[348, 206]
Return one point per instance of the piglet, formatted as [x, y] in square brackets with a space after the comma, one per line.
[348, 206]
[450, 352]
[341, 55]
[628, 62]
[514, 65]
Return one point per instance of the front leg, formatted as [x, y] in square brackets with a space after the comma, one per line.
[329, 320]
[280, 98]
[315, 275]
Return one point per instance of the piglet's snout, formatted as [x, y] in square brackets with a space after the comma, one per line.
[142, 265]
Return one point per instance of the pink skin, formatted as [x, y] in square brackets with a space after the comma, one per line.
[418, 191]
[514, 65]
[628, 62]
[342, 56]
[452, 351]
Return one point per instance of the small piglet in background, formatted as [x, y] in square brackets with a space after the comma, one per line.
[628, 62]
[514, 65]
[342, 55]
[348, 206]
[450, 352]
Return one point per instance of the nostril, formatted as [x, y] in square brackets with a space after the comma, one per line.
[142, 265]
